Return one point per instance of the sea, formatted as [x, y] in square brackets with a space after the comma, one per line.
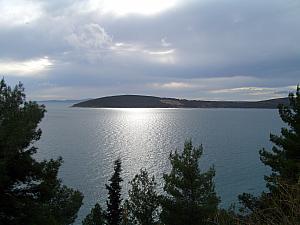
[91, 139]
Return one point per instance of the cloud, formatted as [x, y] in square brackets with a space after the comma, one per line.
[89, 40]
[63, 93]
[164, 42]
[167, 52]
[19, 12]
[253, 90]
[172, 85]
[125, 8]
[192, 49]
[257, 91]
[25, 68]
[141, 52]
[163, 56]
[211, 88]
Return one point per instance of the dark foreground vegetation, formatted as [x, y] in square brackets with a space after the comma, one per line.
[31, 193]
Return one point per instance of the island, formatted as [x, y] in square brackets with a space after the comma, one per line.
[140, 101]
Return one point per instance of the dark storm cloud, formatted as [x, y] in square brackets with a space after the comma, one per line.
[197, 49]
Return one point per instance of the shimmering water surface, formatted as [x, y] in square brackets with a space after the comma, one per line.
[89, 140]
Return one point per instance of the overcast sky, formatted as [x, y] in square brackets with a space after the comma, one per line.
[194, 49]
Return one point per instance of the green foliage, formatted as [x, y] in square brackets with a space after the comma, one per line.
[284, 159]
[96, 216]
[30, 191]
[191, 198]
[142, 207]
[279, 206]
[114, 209]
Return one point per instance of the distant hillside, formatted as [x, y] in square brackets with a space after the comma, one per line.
[139, 101]
[70, 101]
[61, 101]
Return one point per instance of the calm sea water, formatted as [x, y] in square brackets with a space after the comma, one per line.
[89, 140]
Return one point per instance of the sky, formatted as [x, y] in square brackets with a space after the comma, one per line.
[193, 49]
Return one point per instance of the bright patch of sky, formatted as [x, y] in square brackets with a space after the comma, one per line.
[124, 8]
[25, 68]
[18, 12]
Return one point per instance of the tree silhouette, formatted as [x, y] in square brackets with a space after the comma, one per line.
[30, 192]
[284, 159]
[114, 209]
[143, 202]
[191, 198]
[95, 217]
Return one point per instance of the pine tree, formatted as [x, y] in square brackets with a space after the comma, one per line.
[191, 198]
[95, 217]
[284, 159]
[30, 192]
[114, 209]
[143, 203]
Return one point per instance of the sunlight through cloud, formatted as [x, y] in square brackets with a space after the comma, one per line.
[25, 68]
[123, 8]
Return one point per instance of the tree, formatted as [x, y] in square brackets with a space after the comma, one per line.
[143, 203]
[284, 159]
[30, 191]
[96, 216]
[191, 198]
[114, 209]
